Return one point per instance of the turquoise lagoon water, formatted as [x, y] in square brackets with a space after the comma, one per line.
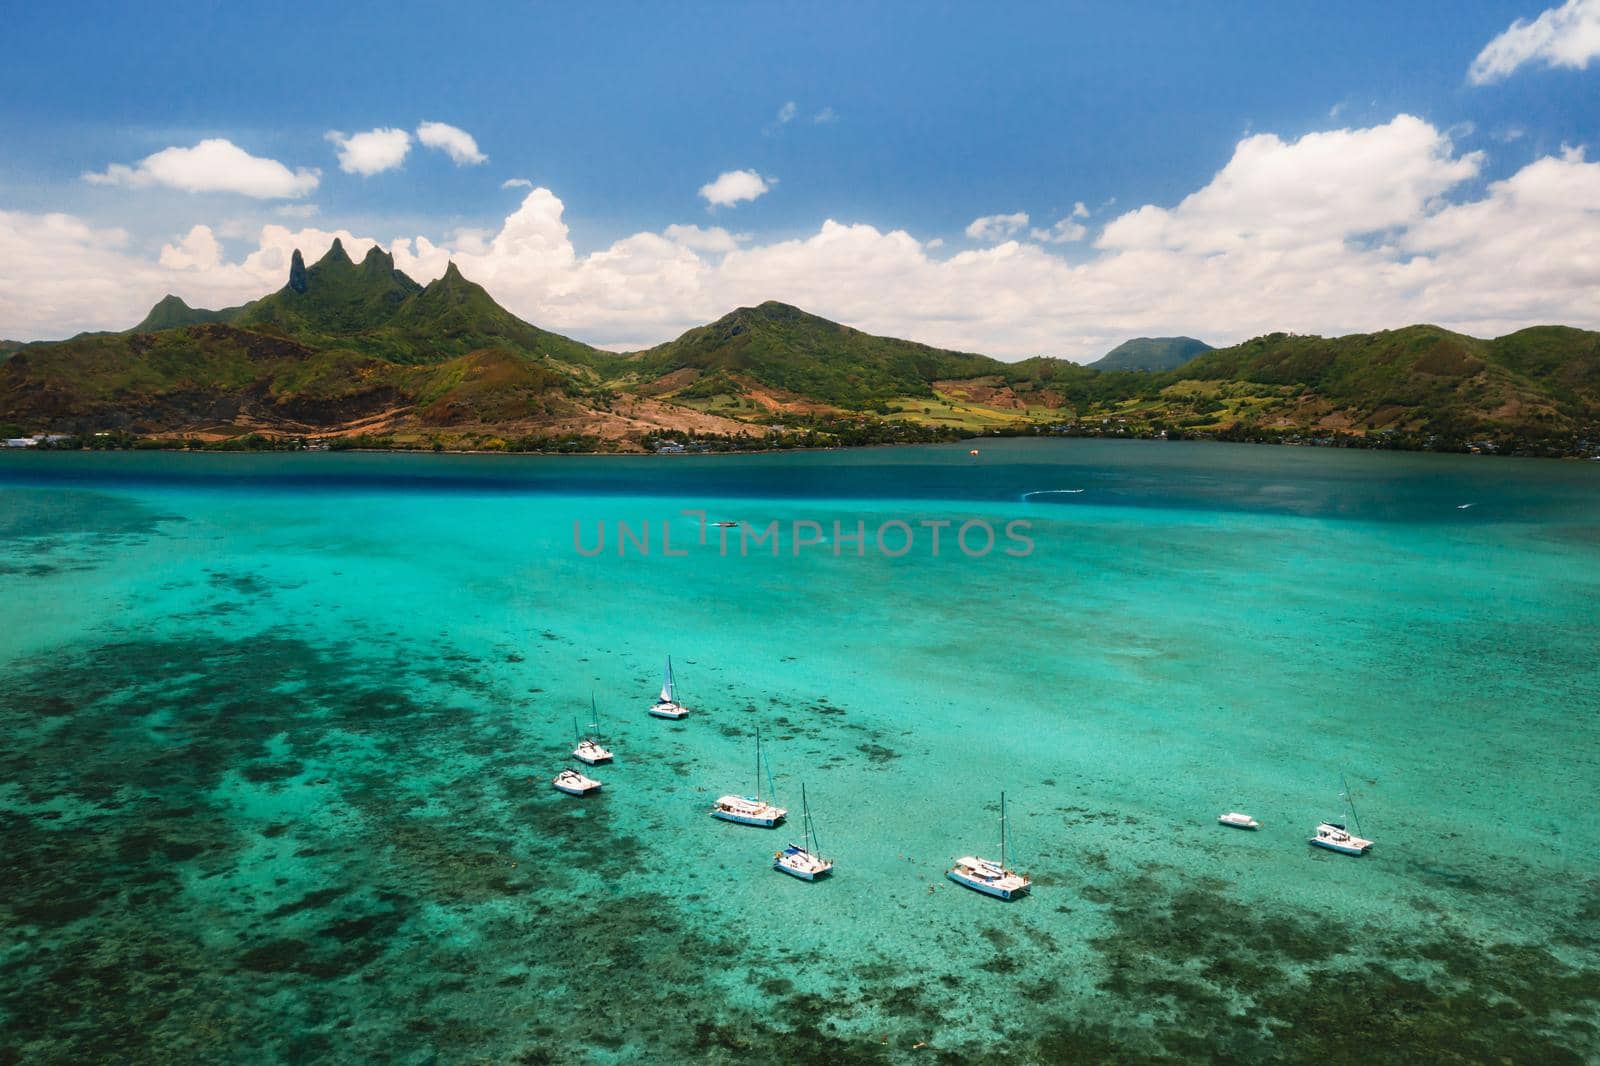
[279, 732]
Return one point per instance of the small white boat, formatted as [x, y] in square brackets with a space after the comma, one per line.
[667, 705]
[991, 878]
[802, 860]
[1335, 837]
[1238, 821]
[590, 750]
[751, 810]
[575, 784]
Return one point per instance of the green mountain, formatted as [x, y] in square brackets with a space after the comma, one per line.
[1151, 353]
[778, 347]
[351, 348]
[341, 346]
[1542, 382]
[170, 312]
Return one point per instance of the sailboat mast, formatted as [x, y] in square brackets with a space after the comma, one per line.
[1002, 830]
[1350, 802]
[805, 816]
[758, 762]
[577, 734]
[594, 711]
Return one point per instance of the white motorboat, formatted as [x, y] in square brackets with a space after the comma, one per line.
[1238, 821]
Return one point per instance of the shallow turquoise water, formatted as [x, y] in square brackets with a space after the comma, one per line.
[279, 731]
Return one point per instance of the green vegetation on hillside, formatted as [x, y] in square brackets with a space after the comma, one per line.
[363, 351]
[1151, 353]
[808, 357]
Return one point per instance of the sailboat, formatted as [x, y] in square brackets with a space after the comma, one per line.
[751, 810]
[802, 860]
[667, 705]
[991, 878]
[1335, 837]
[589, 749]
[575, 784]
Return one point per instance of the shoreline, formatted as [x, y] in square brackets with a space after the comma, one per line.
[1592, 456]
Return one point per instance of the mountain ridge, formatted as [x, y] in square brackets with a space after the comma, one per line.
[345, 348]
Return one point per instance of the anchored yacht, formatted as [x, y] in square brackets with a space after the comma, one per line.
[751, 810]
[589, 749]
[575, 784]
[667, 705]
[1238, 821]
[1335, 837]
[991, 878]
[802, 860]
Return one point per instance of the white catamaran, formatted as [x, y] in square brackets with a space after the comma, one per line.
[802, 860]
[751, 810]
[1335, 837]
[990, 878]
[667, 705]
[575, 784]
[589, 749]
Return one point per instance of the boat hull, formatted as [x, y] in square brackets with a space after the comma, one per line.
[804, 875]
[590, 760]
[574, 791]
[980, 885]
[1342, 849]
[671, 714]
[747, 819]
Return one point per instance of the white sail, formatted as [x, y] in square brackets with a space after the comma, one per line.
[666, 683]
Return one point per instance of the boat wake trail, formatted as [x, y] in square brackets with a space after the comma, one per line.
[1026, 496]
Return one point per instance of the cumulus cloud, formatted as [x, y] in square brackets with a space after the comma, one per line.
[1565, 36]
[198, 250]
[1063, 232]
[457, 143]
[516, 183]
[1331, 233]
[371, 152]
[707, 239]
[213, 165]
[732, 186]
[787, 112]
[992, 228]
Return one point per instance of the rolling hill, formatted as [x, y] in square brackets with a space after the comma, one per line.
[1151, 353]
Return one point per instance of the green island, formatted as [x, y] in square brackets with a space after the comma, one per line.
[359, 355]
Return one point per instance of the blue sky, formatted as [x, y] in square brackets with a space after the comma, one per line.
[935, 114]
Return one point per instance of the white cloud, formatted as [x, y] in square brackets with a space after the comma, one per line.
[787, 112]
[516, 183]
[198, 250]
[992, 228]
[732, 186]
[1565, 36]
[371, 152]
[1063, 232]
[1079, 211]
[213, 165]
[708, 239]
[825, 116]
[1335, 232]
[1277, 194]
[457, 143]
[296, 211]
